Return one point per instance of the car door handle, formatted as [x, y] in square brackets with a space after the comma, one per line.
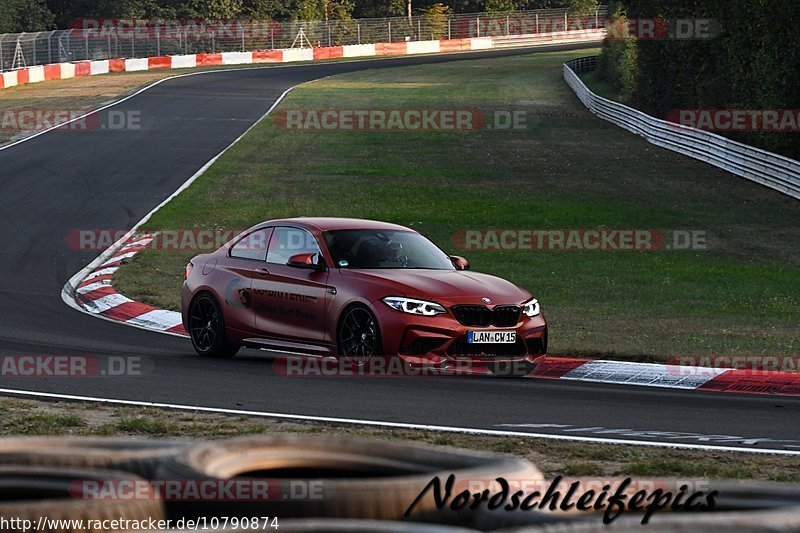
[262, 271]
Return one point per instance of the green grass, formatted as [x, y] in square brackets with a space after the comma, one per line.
[567, 169]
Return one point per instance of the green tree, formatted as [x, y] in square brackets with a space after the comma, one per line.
[309, 10]
[266, 9]
[18, 16]
[434, 21]
[499, 6]
[582, 7]
[212, 9]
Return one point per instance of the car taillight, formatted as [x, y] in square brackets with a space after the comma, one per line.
[188, 270]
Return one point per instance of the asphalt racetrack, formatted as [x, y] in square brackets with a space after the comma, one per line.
[63, 180]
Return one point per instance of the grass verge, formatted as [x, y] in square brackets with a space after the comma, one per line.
[566, 169]
[28, 417]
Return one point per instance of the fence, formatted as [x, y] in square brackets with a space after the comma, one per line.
[98, 39]
[767, 168]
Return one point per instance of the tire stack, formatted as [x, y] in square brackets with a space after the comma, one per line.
[316, 483]
[326, 483]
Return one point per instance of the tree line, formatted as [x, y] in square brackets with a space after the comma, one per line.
[37, 15]
[749, 59]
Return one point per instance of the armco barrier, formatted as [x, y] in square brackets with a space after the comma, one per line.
[91, 68]
[766, 168]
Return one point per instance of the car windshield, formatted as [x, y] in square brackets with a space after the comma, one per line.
[365, 248]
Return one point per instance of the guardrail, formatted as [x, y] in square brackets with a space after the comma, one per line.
[766, 168]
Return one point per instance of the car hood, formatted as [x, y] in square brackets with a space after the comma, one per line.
[444, 286]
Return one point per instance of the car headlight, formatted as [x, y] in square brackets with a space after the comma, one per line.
[414, 307]
[531, 308]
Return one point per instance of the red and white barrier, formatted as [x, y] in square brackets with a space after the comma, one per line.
[98, 67]
[93, 68]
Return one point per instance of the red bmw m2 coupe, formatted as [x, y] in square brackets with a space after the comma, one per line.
[356, 288]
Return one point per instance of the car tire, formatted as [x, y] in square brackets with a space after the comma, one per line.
[31, 493]
[207, 328]
[328, 476]
[511, 369]
[140, 457]
[366, 329]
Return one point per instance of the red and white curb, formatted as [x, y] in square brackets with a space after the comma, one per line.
[61, 71]
[96, 294]
[671, 376]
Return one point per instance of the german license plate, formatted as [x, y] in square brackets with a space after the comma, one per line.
[491, 337]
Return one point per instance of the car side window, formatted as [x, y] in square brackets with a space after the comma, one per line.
[287, 242]
[253, 245]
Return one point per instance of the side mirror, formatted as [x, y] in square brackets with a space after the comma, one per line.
[309, 261]
[459, 262]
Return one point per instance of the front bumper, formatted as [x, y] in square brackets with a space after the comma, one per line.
[442, 340]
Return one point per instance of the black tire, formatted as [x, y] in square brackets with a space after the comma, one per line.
[344, 477]
[511, 369]
[31, 493]
[140, 457]
[207, 328]
[358, 335]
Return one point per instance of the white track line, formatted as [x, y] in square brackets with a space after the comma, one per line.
[67, 293]
[396, 425]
